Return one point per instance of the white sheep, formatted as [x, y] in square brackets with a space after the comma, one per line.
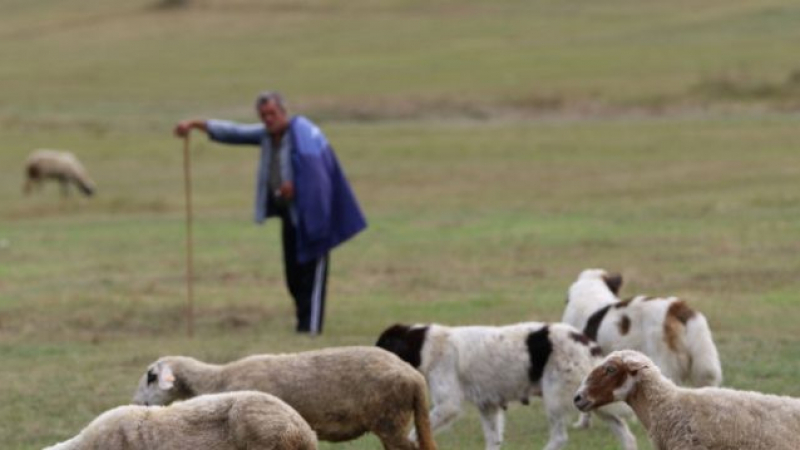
[666, 329]
[58, 165]
[679, 418]
[242, 420]
[493, 366]
[341, 392]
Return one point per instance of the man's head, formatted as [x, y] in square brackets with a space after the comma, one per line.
[271, 110]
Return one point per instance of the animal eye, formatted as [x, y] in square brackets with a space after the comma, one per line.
[151, 377]
[610, 370]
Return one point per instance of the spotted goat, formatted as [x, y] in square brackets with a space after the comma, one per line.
[493, 366]
[675, 336]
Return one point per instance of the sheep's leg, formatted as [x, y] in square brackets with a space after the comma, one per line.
[396, 442]
[584, 421]
[390, 427]
[31, 179]
[493, 421]
[620, 429]
[64, 186]
[393, 438]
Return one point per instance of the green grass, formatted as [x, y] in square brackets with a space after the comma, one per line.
[606, 143]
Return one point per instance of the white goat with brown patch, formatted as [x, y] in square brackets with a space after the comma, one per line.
[666, 329]
[56, 165]
[230, 421]
[691, 419]
[341, 392]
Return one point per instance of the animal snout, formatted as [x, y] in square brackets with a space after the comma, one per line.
[581, 402]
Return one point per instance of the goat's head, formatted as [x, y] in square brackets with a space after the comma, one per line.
[614, 380]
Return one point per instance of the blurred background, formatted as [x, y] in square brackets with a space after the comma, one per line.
[497, 148]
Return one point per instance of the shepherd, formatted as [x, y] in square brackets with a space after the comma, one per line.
[299, 180]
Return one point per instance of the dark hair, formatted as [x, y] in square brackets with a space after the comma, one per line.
[270, 96]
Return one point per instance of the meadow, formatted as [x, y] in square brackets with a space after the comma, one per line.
[497, 148]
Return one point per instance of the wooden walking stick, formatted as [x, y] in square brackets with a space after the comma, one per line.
[187, 181]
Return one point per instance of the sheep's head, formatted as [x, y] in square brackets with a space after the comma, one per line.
[158, 385]
[613, 380]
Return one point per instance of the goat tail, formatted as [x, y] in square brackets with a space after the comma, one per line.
[422, 422]
[705, 367]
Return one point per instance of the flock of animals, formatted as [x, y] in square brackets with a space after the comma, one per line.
[289, 401]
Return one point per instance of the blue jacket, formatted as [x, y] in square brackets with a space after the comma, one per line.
[325, 211]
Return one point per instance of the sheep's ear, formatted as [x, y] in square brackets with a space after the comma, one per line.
[613, 281]
[634, 366]
[166, 379]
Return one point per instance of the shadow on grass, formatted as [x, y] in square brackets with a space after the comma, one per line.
[87, 324]
[741, 87]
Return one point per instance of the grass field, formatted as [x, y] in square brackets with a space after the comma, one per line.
[498, 148]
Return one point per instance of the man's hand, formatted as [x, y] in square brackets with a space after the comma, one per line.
[183, 128]
[287, 190]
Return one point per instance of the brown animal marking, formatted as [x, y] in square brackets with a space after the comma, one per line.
[681, 311]
[580, 338]
[594, 349]
[624, 325]
[613, 281]
[623, 303]
[604, 380]
[678, 315]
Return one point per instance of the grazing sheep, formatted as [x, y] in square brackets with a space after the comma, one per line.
[231, 421]
[492, 366]
[341, 392]
[666, 329]
[678, 418]
[58, 165]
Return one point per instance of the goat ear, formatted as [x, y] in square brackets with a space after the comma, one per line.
[614, 282]
[166, 379]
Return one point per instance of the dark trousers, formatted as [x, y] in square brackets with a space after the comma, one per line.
[307, 282]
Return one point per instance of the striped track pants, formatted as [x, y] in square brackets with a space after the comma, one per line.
[307, 282]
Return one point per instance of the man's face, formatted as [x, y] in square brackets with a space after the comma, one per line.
[273, 116]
